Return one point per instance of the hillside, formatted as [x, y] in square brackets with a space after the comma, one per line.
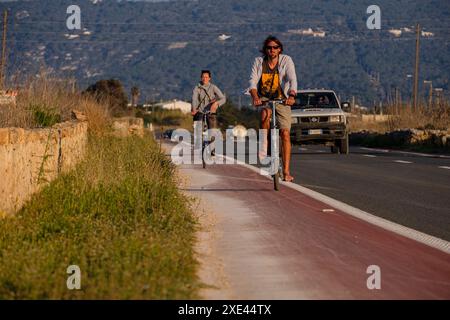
[161, 46]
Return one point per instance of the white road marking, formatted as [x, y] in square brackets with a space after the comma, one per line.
[302, 149]
[327, 210]
[408, 152]
[379, 150]
[444, 167]
[402, 161]
[369, 155]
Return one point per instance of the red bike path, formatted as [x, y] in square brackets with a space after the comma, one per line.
[287, 245]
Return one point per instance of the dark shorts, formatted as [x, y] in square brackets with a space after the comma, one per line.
[211, 119]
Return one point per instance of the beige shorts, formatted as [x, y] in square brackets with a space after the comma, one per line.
[284, 118]
[283, 114]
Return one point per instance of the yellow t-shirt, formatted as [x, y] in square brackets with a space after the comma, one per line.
[269, 84]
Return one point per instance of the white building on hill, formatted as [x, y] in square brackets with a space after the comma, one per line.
[185, 107]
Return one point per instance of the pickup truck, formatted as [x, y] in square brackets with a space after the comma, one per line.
[319, 118]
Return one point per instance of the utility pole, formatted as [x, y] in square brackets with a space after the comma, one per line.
[416, 72]
[438, 96]
[430, 94]
[3, 61]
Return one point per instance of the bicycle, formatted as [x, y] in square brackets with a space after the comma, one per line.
[205, 138]
[277, 159]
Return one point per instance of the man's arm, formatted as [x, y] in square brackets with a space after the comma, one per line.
[220, 97]
[292, 76]
[255, 97]
[254, 79]
[255, 74]
[194, 104]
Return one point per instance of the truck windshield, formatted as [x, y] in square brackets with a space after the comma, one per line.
[308, 100]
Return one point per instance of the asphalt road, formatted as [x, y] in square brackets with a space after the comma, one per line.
[407, 188]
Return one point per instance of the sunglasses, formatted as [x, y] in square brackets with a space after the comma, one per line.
[272, 47]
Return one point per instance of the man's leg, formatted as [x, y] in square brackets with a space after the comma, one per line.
[286, 142]
[212, 124]
[212, 121]
[284, 123]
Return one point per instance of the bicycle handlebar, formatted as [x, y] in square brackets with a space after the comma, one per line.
[204, 112]
[266, 102]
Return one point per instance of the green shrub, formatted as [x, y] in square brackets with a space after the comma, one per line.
[45, 116]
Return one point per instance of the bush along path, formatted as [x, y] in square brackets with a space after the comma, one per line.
[118, 216]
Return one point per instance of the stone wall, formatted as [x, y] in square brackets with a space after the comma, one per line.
[30, 158]
[434, 139]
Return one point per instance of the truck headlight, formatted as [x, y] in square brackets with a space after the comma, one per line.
[335, 119]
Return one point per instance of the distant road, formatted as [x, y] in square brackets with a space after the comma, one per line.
[406, 188]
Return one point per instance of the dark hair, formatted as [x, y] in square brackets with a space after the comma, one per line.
[206, 71]
[266, 42]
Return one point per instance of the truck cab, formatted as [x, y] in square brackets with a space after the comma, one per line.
[319, 118]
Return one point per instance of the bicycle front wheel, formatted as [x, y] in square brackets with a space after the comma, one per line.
[276, 181]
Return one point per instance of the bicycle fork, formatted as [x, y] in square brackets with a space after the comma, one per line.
[275, 150]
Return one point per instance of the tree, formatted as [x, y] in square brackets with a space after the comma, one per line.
[112, 92]
[229, 115]
[134, 96]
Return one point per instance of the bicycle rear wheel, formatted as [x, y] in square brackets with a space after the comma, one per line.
[203, 155]
[204, 142]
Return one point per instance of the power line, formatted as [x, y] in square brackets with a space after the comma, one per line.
[342, 20]
[74, 41]
[191, 33]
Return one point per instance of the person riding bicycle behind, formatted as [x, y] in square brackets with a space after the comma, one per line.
[273, 77]
[206, 96]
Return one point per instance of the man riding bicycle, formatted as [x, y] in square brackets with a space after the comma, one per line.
[206, 97]
[273, 77]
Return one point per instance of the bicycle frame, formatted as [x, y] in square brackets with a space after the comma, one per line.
[276, 163]
[205, 128]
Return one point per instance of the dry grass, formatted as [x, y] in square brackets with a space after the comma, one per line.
[402, 117]
[45, 99]
[166, 119]
[119, 216]
[98, 115]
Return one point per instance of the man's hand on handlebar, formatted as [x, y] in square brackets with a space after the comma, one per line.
[255, 98]
[194, 112]
[214, 106]
[290, 101]
[257, 101]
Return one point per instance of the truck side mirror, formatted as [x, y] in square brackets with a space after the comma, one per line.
[346, 107]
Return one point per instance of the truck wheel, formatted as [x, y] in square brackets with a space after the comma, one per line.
[343, 145]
